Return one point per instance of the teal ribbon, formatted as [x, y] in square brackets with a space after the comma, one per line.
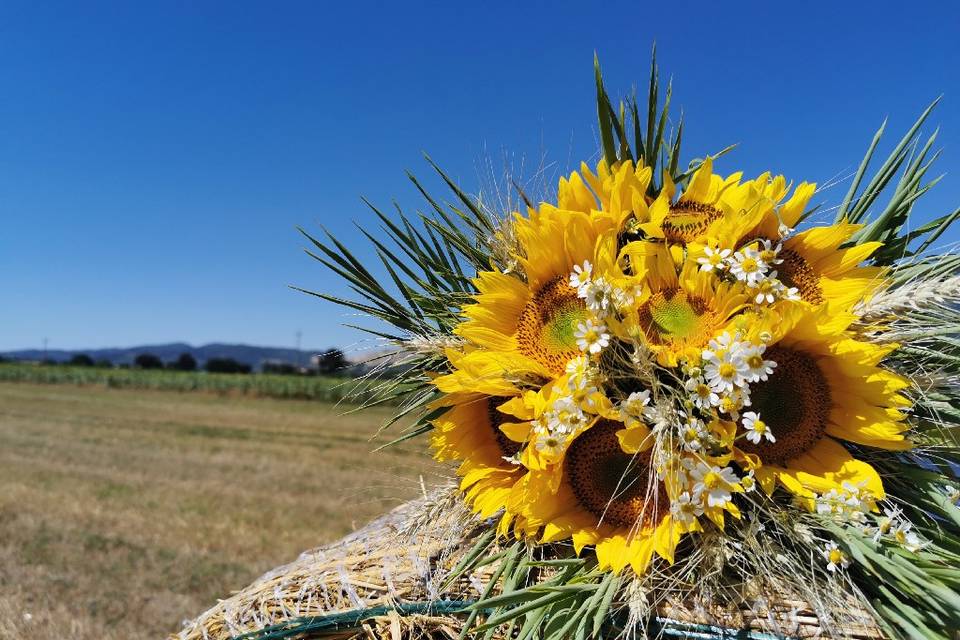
[347, 620]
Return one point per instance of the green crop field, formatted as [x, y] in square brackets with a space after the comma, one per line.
[123, 512]
[330, 389]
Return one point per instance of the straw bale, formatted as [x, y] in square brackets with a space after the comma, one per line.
[405, 557]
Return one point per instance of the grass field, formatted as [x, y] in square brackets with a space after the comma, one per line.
[124, 512]
[326, 388]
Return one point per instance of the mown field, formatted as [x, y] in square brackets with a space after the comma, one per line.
[123, 512]
[326, 388]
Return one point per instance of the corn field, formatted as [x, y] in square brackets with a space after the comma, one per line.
[328, 389]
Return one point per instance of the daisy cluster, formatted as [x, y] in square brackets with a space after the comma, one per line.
[700, 418]
[754, 266]
[856, 507]
[570, 408]
[602, 299]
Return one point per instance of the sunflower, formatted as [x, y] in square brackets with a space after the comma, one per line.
[601, 495]
[678, 315]
[528, 326]
[827, 389]
[811, 261]
[706, 202]
[618, 191]
[469, 431]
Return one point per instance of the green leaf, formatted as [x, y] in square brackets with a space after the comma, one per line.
[603, 115]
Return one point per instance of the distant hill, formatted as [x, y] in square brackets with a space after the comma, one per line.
[248, 354]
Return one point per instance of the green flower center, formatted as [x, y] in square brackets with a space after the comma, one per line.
[677, 319]
[547, 326]
[560, 331]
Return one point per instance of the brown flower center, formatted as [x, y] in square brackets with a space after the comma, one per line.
[546, 329]
[794, 402]
[795, 271]
[688, 220]
[610, 483]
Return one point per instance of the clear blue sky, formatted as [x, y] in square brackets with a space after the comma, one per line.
[155, 158]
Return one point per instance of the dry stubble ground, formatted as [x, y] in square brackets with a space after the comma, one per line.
[123, 512]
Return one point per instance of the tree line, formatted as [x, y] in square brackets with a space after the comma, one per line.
[331, 361]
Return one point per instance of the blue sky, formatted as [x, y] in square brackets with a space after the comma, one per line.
[155, 158]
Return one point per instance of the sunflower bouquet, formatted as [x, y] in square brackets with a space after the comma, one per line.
[664, 384]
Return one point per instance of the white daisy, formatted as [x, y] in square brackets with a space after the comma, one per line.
[565, 416]
[827, 503]
[714, 259]
[747, 265]
[906, 538]
[725, 374]
[686, 508]
[581, 372]
[549, 444]
[733, 401]
[886, 523]
[634, 405]
[835, 557]
[701, 394]
[768, 289]
[723, 346]
[598, 294]
[769, 254]
[592, 337]
[714, 483]
[692, 433]
[757, 368]
[756, 428]
[581, 275]
[748, 482]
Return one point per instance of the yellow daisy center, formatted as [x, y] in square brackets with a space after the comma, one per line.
[688, 220]
[795, 400]
[609, 483]
[755, 361]
[795, 271]
[507, 446]
[749, 265]
[713, 480]
[727, 370]
[546, 329]
[729, 404]
[674, 318]
[836, 556]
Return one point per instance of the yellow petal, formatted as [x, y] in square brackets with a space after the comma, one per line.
[635, 439]
[828, 465]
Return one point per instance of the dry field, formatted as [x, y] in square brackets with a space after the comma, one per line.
[124, 512]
